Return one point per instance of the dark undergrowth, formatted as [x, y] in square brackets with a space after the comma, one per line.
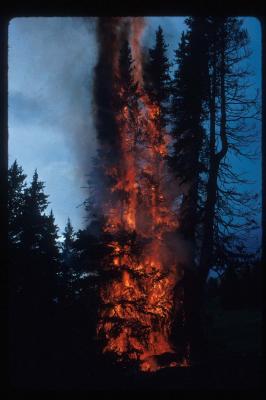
[61, 356]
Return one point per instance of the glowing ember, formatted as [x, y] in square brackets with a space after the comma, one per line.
[138, 301]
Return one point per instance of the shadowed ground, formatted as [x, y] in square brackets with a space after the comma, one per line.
[62, 358]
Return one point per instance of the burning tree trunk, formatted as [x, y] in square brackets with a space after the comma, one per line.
[142, 268]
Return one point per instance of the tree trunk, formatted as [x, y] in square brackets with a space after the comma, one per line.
[207, 241]
[206, 255]
[195, 279]
[206, 258]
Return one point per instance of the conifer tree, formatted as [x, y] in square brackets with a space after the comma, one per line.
[33, 215]
[228, 215]
[15, 205]
[16, 187]
[49, 245]
[126, 87]
[189, 92]
[68, 244]
[211, 111]
[157, 77]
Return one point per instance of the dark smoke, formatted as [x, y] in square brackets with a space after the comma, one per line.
[110, 32]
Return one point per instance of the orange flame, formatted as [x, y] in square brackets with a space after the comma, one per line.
[137, 313]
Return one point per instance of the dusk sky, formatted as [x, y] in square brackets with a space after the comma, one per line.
[51, 128]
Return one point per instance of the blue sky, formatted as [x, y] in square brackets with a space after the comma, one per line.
[50, 105]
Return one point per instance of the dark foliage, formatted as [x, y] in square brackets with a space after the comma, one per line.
[157, 78]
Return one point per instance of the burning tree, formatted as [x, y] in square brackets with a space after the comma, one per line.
[138, 203]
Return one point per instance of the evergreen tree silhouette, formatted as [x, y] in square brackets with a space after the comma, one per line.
[16, 187]
[157, 77]
[189, 96]
[35, 203]
[68, 243]
[48, 245]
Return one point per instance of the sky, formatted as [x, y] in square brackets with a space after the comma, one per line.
[51, 125]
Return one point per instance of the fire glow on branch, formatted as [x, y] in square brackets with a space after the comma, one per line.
[138, 301]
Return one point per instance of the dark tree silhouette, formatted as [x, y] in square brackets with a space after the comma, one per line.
[68, 244]
[211, 112]
[188, 158]
[157, 78]
[230, 109]
[33, 262]
[35, 203]
[188, 110]
[49, 246]
[16, 186]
